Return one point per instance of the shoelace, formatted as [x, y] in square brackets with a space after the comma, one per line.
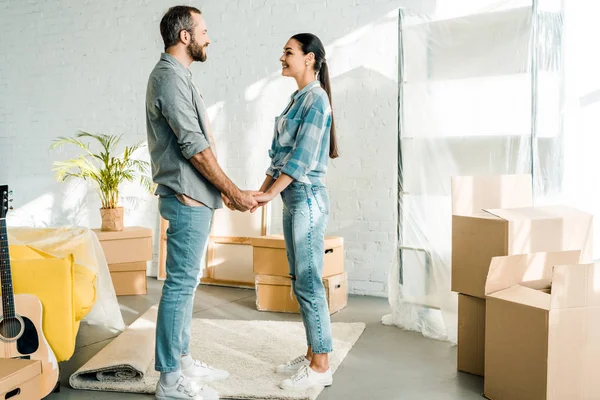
[198, 363]
[301, 374]
[296, 360]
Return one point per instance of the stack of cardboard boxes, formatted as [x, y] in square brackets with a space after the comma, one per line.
[516, 268]
[273, 285]
[127, 253]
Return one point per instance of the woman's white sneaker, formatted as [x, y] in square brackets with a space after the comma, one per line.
[292, 366]
[307, 378]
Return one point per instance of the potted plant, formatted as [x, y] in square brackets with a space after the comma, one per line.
[106, 170]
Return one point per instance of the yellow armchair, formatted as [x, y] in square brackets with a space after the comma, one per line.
[66, 290]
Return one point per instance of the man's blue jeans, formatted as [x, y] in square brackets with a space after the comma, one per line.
[305, 218]
[189, 228]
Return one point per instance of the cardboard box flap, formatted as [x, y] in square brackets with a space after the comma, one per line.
[272, 280]
[537, 213]
[16, 371]
[509, 271]
[548, 228]
[471, 194]
[128, 233]
[525, 296]
[131, 266]
[545, 285]
[575, 286]
[277, 242]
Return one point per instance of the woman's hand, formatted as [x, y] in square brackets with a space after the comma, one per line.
[274, 188]
[263, 199]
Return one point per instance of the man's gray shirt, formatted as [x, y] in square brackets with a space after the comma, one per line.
[177, 126]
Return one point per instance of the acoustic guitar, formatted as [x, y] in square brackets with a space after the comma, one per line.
[21, 334]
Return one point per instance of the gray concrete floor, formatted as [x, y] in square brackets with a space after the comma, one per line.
[385, 364]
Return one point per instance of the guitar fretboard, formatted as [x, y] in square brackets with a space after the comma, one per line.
[8, 302]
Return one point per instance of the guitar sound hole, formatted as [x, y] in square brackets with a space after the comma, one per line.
[10, 328]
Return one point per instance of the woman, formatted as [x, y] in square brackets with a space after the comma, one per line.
[303, 141]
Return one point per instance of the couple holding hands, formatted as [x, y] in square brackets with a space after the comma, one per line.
[191, 185]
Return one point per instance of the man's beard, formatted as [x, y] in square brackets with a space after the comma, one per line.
[196, 51]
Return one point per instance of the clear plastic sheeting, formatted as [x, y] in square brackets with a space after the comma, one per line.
[580, 169]
[480, 93]
[83, 244]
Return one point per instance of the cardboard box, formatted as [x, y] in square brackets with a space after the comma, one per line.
[472, 310]
[471, 335]
[476, 239]
[20, 379]
[543, 335]
[130, 245]
[274, 293]
[270, 256]
[127, 253]
[129, 278]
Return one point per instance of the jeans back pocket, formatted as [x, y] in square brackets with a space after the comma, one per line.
[321, 198]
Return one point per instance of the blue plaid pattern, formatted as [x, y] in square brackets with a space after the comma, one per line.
[300, 148]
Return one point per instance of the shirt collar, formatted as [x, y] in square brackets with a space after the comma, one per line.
[298, 93]
[166, 57]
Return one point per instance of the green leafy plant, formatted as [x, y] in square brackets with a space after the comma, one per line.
[103, 168]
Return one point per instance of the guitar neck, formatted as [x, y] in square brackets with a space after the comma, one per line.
[8, 300]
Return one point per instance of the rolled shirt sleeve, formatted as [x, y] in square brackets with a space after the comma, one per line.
[176, 104]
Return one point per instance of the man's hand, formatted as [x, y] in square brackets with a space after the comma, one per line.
[245, 200]
[227, 202]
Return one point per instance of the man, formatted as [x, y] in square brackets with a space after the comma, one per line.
[191, 185]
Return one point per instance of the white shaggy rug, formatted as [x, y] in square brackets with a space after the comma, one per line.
[249, 350]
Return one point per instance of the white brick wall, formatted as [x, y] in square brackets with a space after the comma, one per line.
[68, 65]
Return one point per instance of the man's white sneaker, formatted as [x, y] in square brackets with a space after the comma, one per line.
[307, 378]
[204, 372]
[292, 366]
[185, 389]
